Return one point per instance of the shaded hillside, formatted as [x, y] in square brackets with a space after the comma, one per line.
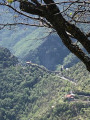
[31, 92]
[49, 54]
[37, 46]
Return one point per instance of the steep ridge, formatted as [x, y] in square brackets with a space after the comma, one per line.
[6, 58]
[38, 47]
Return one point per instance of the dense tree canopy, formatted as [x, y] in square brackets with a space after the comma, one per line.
[62, 16]
[33, 92]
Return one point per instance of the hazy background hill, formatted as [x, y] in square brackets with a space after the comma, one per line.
[34, 44]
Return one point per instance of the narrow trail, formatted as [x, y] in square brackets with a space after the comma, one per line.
[61, 76]
[58, 73]
[64, 78]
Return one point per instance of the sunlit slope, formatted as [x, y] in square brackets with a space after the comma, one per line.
[30, 42]
[33, 92]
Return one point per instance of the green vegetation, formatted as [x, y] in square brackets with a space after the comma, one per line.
[81, 76]
[71, 111]
[32, 92]
[70, 60]
[6, 58]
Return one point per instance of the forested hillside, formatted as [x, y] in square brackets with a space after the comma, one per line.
[33, 92]
[80, 76]
[6, 58]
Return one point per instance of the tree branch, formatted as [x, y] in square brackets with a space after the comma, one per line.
[88, 34]
[73, 30]
[31, 8]
[12, 24]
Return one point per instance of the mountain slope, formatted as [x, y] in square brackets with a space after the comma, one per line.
[81, 76]
[37, 46]
[33, 92]
[6, 58]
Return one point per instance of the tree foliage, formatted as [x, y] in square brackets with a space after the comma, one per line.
[33, 92]
[6, 58]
